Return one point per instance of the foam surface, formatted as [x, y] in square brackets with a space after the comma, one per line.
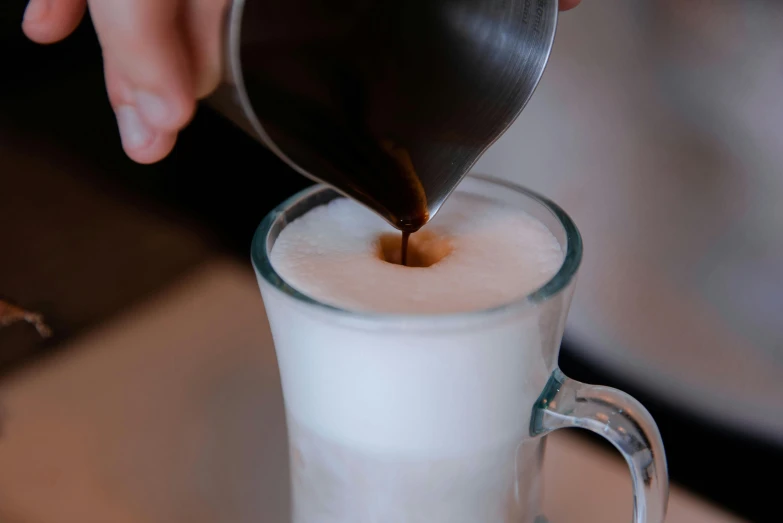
[498, 254]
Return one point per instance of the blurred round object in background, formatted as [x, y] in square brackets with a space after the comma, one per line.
[722, 68]
[659, 128]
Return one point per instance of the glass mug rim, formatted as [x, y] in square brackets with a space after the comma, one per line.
[261, 247]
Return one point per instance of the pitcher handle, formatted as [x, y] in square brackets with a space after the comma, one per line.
[621, 420]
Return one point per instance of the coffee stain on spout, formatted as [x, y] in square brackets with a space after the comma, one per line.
[419, 213]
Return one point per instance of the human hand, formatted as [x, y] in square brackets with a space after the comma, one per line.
[160, 56]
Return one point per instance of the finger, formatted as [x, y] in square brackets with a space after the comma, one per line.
[48, 21]
[203, 24]
[141, 141]
[565, 5]
[161, 145]
[143, 42]
[142, 144]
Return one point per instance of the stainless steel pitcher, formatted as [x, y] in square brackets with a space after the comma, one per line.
[384, 100]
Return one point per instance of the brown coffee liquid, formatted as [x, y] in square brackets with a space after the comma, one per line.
[404, 249]
[419, 214]
[425, 249]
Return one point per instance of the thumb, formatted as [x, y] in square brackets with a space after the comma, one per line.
[147, 67]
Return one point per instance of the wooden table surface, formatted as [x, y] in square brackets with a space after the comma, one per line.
[172, 413]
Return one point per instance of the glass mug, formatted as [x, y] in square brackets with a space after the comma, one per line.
[439, 418]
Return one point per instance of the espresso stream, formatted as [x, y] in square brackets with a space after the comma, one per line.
[404, 248]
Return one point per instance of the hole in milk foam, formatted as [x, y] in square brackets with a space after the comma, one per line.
[425, 248]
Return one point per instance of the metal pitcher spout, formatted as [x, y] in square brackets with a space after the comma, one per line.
[389, 102]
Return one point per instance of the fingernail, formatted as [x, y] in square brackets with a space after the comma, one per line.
[35, 10]
[134, 132]
[153, 108]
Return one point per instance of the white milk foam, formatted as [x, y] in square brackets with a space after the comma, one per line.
[499, 254]
[399, 421]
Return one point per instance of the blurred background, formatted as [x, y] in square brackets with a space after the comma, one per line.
[658, 126]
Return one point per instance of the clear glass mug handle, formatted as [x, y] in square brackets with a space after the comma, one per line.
[621, 420]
